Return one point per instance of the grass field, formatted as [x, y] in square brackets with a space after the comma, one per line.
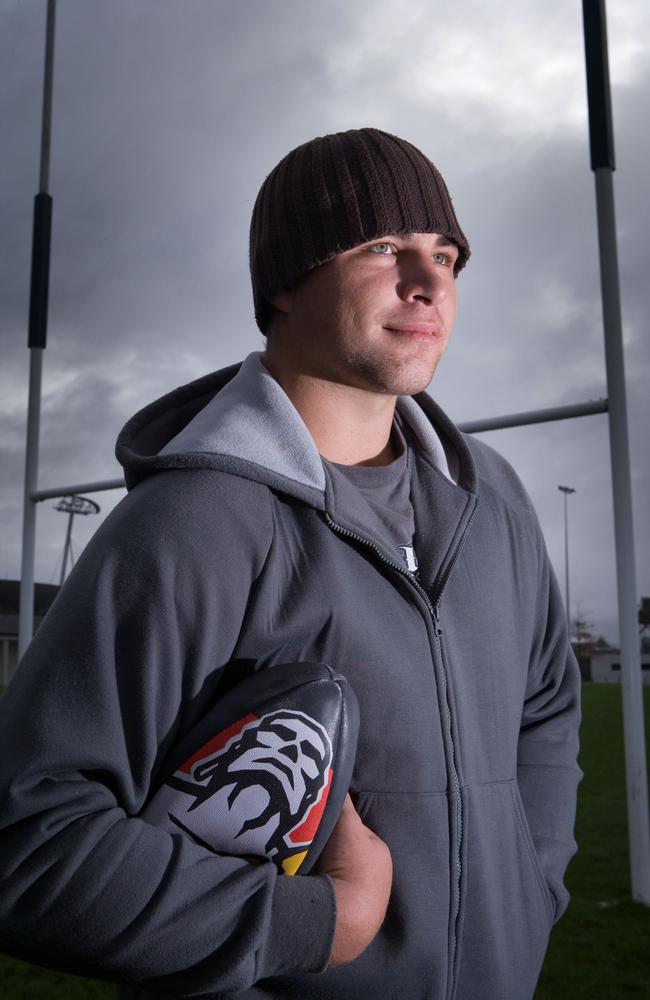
[601, 948]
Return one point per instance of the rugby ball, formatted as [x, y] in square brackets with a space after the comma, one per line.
[265, 773]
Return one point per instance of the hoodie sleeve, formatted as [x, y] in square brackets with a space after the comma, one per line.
[133, 644]
[547, 771]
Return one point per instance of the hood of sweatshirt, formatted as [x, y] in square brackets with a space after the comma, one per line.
[239, 420]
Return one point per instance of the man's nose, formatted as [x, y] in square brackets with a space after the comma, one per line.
[421, 280]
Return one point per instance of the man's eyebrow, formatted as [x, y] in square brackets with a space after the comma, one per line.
[446, 241]
[441, 241]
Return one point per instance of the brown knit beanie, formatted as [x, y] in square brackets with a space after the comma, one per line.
[338, 191]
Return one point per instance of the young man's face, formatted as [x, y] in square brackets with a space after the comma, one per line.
[376, 317]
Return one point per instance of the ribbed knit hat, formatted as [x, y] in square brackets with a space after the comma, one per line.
[335, 192]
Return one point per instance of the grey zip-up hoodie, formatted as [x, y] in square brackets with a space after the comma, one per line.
[237, 551]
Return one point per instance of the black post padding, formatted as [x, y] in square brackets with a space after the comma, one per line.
[601, 131]
[40, 283]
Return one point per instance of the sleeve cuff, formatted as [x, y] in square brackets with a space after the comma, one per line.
[301, 927]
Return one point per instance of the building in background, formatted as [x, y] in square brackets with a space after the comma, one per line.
[9, 599]
[605, 667]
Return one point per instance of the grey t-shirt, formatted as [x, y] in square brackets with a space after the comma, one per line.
[387, 489]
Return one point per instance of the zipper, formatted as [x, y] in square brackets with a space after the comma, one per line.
[434, 612]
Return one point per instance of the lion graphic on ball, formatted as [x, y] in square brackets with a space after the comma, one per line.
[256, 789]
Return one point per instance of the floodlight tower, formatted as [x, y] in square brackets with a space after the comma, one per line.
[37, 340]
[71, 506]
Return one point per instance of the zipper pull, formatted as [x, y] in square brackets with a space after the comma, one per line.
[436, 618]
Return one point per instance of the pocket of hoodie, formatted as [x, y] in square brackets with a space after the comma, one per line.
[411, 947]
[506, 909]
[520, 813]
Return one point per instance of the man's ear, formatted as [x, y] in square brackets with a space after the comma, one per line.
[282, 299]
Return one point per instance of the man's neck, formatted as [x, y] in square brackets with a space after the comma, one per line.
[349, 426]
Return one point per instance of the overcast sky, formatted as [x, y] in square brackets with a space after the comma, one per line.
[168, 114]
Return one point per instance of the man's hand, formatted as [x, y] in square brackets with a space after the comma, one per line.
[361, 868]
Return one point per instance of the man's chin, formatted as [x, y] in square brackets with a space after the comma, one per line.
[410, 383]
[395, 378]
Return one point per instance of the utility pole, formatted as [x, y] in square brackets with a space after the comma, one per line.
[566, 490]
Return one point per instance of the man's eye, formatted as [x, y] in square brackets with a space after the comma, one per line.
[441, 258]
[382, 248]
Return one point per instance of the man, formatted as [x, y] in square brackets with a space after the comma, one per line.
[311, 505]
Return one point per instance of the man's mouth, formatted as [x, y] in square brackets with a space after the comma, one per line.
[414, 331]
